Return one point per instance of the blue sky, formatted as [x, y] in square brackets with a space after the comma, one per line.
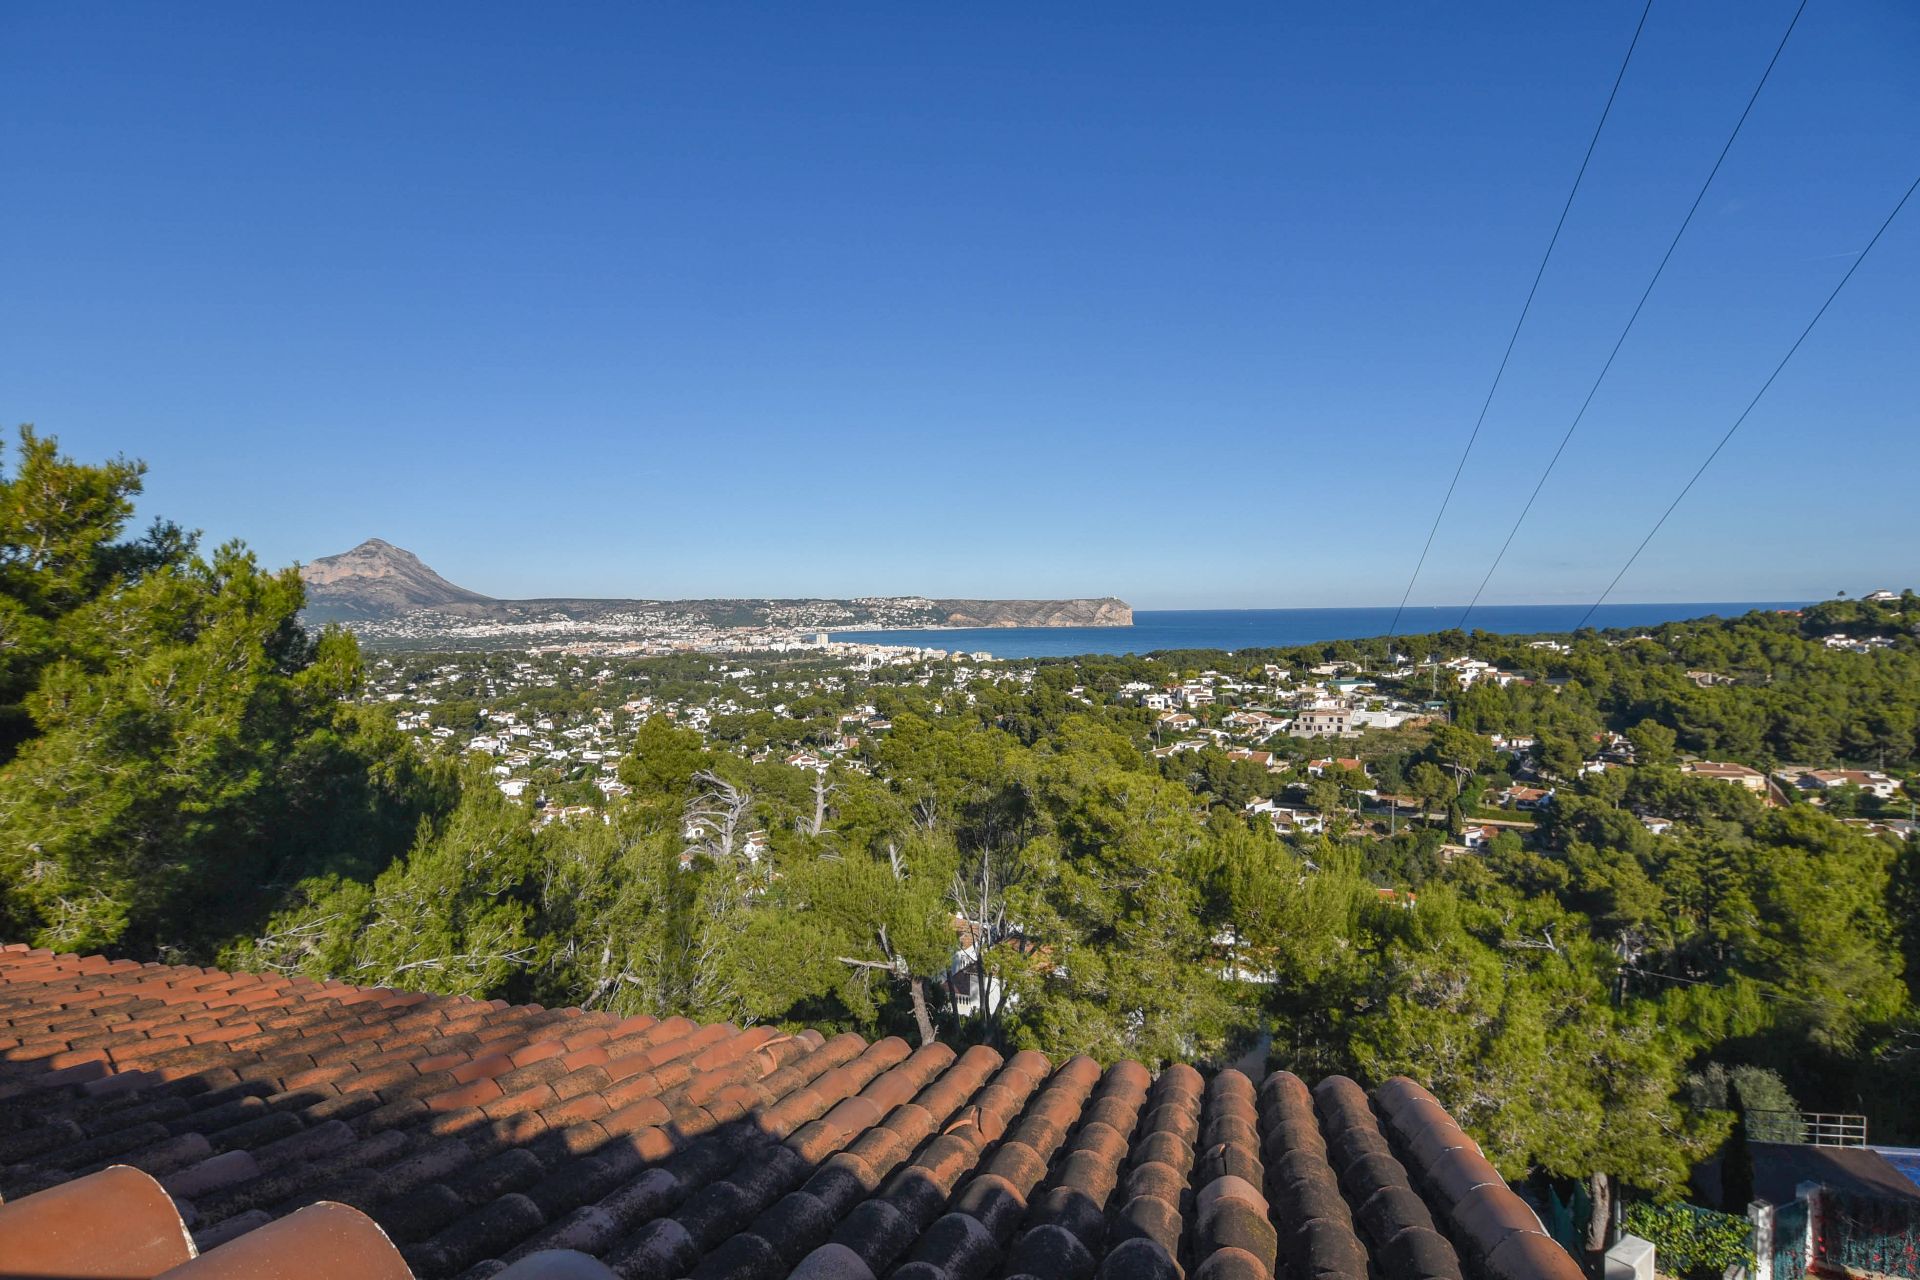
[1189, 304]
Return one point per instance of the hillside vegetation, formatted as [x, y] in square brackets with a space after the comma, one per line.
[186, 773]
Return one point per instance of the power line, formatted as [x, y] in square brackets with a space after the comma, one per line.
[1637, 307]
[1693, 982]
[1521, 322]
[1701, 469]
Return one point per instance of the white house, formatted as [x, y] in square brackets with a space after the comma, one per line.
[1738, 775]
[1332, 720]
[962, 979]
[1871, 781]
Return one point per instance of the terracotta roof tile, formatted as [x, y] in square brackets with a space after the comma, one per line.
[303, 1128]
[118, 1222]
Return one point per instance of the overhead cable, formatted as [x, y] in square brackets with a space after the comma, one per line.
[1527, 306]
[1631, 319]
[1737, 422]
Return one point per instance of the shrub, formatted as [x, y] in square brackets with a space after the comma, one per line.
[1690, 1241]
[1772, 1114]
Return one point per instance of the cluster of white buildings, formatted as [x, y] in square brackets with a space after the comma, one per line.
[1469, 671]
[518, 746]
[1326, 702]
[648, 626]
[1862, 644]
[1820, 781]
[587, 746]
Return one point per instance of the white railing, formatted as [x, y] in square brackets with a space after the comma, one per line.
[1822, 1128]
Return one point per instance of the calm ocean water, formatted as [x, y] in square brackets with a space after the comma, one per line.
[1156, 629]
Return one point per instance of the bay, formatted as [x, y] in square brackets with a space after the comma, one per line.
[1154, 630]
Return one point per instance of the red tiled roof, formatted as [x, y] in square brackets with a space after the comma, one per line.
[283, 1127]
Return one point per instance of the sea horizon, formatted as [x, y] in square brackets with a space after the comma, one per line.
[1230, 630]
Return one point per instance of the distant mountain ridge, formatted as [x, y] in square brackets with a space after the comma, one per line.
[380, 584]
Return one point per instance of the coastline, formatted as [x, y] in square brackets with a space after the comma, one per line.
[1232, 630]
[1710, 607]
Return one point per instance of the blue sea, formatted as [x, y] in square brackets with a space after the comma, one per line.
[1157, 629]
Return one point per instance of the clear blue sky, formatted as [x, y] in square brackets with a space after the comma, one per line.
[1188, 304]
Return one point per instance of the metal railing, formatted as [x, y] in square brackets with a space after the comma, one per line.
[1814, 1128]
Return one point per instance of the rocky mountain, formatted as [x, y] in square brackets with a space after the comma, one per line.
[1107, 612]
[378, 580]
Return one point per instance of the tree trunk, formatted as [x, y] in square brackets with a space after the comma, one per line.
[920, 1014]
[989, 1014]
[1599, 1219]
[819, 804]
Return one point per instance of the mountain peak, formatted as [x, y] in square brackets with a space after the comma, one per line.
[377, 579]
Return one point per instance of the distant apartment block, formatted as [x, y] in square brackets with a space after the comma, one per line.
[1334, 720]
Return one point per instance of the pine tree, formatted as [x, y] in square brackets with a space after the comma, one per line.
[167, 726]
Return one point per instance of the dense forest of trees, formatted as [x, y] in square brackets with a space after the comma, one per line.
[185, 774]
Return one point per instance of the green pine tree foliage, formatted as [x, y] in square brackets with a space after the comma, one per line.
[623, 926]
[1505, 1009]
[854, 928]
[1120, 960]
[171, 726]
[453, 915]
[60, 524]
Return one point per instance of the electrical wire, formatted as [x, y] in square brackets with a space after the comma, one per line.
[1739, 421]
[1521, 322]
[1632, 319]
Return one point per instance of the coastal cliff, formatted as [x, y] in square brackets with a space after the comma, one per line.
[1106, 612]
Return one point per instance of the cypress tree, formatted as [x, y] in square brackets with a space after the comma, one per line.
[1736, 1170]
